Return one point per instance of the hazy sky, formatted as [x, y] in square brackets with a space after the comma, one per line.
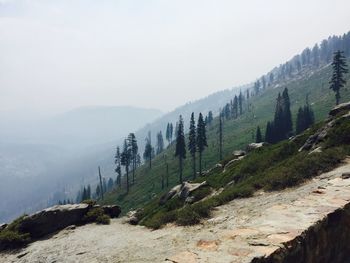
[60, 54]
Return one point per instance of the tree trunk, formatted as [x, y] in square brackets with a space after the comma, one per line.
[200, 163]
[194, 166]
[133, 171]
[101, 188]
[127, 179]
[180, 166]
[167, 175]
[337, 97]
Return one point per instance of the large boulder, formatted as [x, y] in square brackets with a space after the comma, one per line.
[340, 108]
[52, 219]
[133, 217]
[313, 141]
[182, 191]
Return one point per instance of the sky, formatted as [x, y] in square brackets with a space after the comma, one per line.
[56, 55]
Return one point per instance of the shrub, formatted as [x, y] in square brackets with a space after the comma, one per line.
[159, 219]
[96, 214]
[187, 216]
[12, 237]
[103, 219]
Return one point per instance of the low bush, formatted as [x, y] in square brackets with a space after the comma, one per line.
[12, 237]
[97, 215]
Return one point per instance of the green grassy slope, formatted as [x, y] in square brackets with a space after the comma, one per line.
[237, 134]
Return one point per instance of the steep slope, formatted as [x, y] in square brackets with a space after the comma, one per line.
[237, 134]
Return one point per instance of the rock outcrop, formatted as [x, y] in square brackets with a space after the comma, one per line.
[58, 217]
[182, 191]
[314, 140]
[340, 108]
[255, 145]
[52, 219]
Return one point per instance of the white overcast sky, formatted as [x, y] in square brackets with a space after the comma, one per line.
[56, 55]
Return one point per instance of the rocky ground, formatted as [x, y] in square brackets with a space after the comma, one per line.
[238, 232]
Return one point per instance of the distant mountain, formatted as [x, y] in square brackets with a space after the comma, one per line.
[36, 157]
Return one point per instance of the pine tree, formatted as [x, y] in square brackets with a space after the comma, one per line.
[133, 153]
[97, 192]
[100, 177]
[269, 132]
[287, 115]
[192, 144]
[305, 118]
[149, 151]
[240, 102]
[160, 142]
[258, 137]
[235, 107]
[110, 184]
[118, 169]
[220, 137]
[167, 133]
[171, 132]
[339, 70]
[210, 117]
[201, 139]
[125, 161]
[180, 150]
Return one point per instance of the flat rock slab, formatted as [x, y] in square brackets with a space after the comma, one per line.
[253, 227]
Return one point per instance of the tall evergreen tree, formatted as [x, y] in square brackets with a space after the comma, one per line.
[192, 144]
[110, 184]
[201, 139]
[235, 107]
[125, 161]
[340, 68]
[133, 153]
[268, 132]
[258, 137]
[210, 117]
[220, 137]
[180, 150]
[305, 118]
[101, 186]
[240, 102]
[167, 133]
[287, 115]
[97, 191]
[118, 170]
[171, 132]
[160, 143]
[149, 151]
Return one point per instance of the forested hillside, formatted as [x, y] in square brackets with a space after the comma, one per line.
[306, 77]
